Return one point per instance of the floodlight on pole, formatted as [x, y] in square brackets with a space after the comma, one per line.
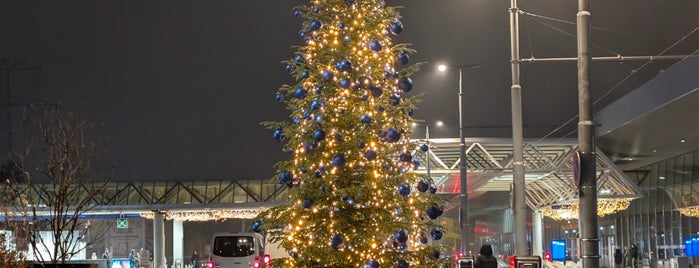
[463, 195]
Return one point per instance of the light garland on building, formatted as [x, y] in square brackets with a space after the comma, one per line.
[604, 207]
[690, 211]
[212, 215]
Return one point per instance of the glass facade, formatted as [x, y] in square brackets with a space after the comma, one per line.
[653, 222]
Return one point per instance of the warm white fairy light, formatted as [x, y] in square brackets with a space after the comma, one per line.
[209, 215]
[690, 211]
[604, 207]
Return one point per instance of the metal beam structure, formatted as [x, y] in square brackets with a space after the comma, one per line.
[490, 161]
[549, 168]
[208, 192]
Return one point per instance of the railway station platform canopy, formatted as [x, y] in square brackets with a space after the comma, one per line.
[548, 175]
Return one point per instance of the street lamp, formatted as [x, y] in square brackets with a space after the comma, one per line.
[463, 210]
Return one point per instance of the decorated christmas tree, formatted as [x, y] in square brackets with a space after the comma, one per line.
[354, 198]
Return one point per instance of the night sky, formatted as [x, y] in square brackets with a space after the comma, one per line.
[181, 86]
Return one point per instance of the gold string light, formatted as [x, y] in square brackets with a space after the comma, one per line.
[211, 215]
[690, 211]
[604, 207]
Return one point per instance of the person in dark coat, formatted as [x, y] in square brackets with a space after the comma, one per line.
[486, 259]
[618, 257]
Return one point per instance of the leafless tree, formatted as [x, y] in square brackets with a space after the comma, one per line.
[53, 183]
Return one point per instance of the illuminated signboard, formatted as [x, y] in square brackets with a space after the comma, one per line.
[558, 250]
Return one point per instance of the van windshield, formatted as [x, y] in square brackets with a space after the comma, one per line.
[234, 246]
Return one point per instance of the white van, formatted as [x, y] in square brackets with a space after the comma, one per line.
[238, 250]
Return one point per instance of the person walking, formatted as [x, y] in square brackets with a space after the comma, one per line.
[630, 256]
[195, 259]
[486, 259]
[618, 258]
[133, 258]
[634, 255]
[107, 256]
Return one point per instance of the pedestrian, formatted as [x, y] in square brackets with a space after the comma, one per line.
[107, 256]
[618, 257]
[634, 255]
[195, 259]
[486, 259]
[133, 258]
[630, 256]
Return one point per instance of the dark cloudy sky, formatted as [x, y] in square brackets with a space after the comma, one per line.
[181, 86]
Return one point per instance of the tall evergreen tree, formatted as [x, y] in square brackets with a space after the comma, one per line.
[351, 180]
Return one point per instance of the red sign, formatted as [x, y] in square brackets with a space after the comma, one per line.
[576, 168]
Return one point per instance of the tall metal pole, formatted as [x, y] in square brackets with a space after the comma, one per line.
[587, 192]
[519, 203]
[463, 210]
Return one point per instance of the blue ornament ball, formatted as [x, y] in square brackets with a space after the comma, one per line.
[341, 25]
[365, 118]
[316, 104]
[345, 83]
[284, 177]
[307, 202]
[278, 134]
[404, 189]
[337, 241]
[405, 84]
[434, 212]
[403, 264]
[405, 157]
[401, 236]
[422, 186]
[279, 96]
[424, 147]
[393, 135]
[423, 239]
[297, 13]
[339, 161]
[370, 155]
[319, 135]
[372, 264]
[403, 59]
[300, 93]
[318, 90]
[416, 162]
[316, 10]
[315, 25]
[436, 254]
[256, 226]
[433, 190]
[343, 65]
[376, 91]
[304, 74]
[396, 28]
[327, 75]
[394, 100]
[436, 234]
[298, 58]
[289, 68]
[349, 2]
[375, 45]
[338, 137]
[344, 198]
